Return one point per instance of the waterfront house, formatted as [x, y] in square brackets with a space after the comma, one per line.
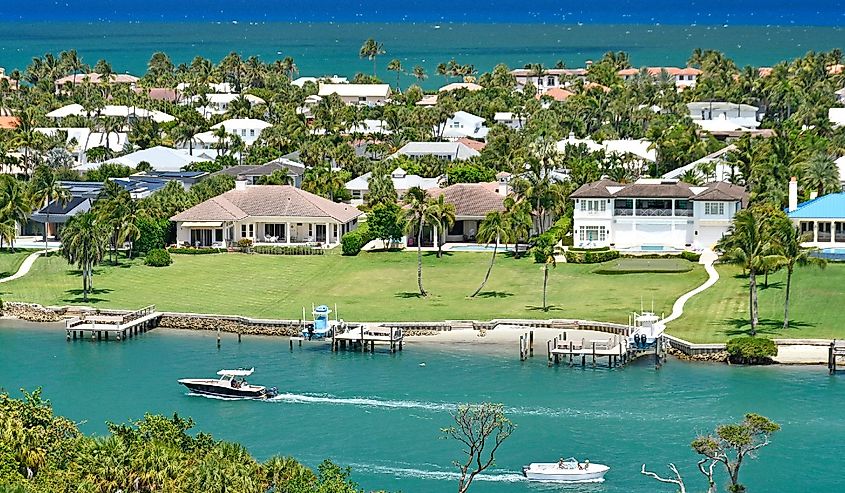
[463, 124]
[274, 214]
[427, 100]
[547, 78]
[472, 201]
[51, 218]
[723, 119]
[301, 81]
[360, 94]
[654, 213]
[402, 182]
[448, 151]
[822, 219]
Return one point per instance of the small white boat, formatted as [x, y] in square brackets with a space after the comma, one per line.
[647, 330]
[565, 470]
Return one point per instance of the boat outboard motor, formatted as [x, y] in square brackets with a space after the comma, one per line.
[272, 392]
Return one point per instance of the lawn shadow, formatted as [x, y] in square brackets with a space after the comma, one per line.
[550, 308]
[766, 326]
[773, 285]
[434, 254]
[91, 299]
[408, 295]
[494, 294]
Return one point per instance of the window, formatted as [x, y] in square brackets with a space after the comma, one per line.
[592, 233]
[335, 231]
[247, 230]
[550, 81]
[362, 99]
[243, 132]
[714, 208]
[218, 234]
[252, 132]
[310, 229]
[593, 205]
[277, 230]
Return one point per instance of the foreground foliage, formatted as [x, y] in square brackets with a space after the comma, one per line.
[44, 453]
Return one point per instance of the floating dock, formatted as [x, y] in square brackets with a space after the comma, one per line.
[616, 348]
[363, 338]
[118, 327]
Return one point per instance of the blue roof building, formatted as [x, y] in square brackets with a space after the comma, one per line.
[824, 218]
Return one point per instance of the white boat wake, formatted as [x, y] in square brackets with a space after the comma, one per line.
[410, 472]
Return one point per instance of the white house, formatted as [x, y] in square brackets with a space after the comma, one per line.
[722, 116]
[681, 77]
[268, 214]
[716, 165]
[301, 81]
[218, 103]
[463, 124]
[215, 87]
[654, 214]
[836, 116]
[641, 149]
[546, 80]
[402, 182]
[454, 86]
[160, 158]
[111, 110]
[85, 140]
[448, 151]
[361, 94]
[248, 129]
[509, 119]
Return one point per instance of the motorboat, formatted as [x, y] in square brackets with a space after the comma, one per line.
[647, 330]
[565, 470]
[232, 383]
[322, 327]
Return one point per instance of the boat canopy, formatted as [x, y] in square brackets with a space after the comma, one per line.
[240, 372]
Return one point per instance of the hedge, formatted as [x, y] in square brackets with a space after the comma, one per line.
[158, 257]
[590, 257]
[691, 256]
[352, 242]
[196, 251]
[287, 250]
[751, 350]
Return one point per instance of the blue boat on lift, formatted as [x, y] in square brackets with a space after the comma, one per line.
[322, 327]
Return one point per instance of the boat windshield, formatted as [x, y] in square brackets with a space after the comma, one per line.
[570, 463]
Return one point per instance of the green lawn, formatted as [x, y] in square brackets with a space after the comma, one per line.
[10, 262]
[721, 312]
[630, 265]
[372, 286]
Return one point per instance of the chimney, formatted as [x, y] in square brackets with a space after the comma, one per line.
[793, 194]
[240, 184]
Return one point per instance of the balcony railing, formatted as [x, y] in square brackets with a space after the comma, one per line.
[839, 238]
[683, 212]
[653, 212]
[823, 237]
[623, 212]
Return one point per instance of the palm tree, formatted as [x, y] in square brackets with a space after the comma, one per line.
[15, 206]
[494, 228]
[417, 204]
[789, 253]
[370, 50]
[185, 133]
[547, 252]
[45, 188]
[84, 241]
[748, 243]
[821, 174]
[395, 65]
[441, 216]
[520, 221]
[419, 73]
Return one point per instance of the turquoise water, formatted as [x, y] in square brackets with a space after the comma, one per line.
[381, 414]
[332, 47]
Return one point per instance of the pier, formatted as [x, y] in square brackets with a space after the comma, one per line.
[836, 352]
[616, 348]
[364, 338]
[99, 327]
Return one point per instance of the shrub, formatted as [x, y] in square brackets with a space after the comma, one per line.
[590, 256]
[153, 234]
[751, 350]
[691, 256]
[196, 251]
[158, 257]
[287, 250]
[245, 244]
[352, 242]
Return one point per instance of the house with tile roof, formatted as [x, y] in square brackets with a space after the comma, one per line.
[448, 151]
[402, 182]
[654, 214]
[265, 214]
[822, 219]
[358, 94]
[472, 201]
[681, 77]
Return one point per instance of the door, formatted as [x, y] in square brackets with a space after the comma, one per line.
[320, 233]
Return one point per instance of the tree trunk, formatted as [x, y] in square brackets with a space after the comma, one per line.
[489, 268]
[46, 227]
[786, 301]
[752, 293]
[419, 259]
[440, 243]
[545, 283]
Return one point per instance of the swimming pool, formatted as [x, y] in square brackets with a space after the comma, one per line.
[835, 254]
[649, 248]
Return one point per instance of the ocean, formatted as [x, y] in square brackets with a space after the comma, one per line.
[324, 37]
[381, 413]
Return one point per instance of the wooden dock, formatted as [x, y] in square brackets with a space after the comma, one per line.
[365, 338]
[118, 327]
[836, 352]
[615, 348]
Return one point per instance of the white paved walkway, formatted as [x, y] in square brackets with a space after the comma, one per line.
[25, 266]
[708, 257]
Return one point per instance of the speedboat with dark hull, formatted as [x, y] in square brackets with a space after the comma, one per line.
[231, 384]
